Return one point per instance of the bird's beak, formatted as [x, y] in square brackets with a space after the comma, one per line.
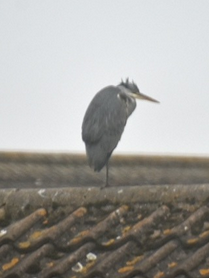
[142, 96]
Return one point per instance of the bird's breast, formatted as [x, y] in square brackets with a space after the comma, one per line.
[128, 102]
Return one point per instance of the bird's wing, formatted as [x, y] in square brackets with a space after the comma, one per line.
[105, 118]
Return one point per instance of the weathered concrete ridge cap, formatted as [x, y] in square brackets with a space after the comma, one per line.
[21, 202]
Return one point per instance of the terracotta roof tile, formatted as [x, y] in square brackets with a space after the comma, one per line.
[125, 242]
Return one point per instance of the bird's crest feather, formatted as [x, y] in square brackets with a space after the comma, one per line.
[129, 85]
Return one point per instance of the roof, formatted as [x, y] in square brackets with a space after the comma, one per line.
[40, 170]
[122, 232]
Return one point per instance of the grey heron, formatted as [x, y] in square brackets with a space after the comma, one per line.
[105, 119]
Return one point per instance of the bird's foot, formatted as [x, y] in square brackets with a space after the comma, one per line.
[106, 185]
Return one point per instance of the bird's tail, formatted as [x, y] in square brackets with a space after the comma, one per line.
[97, 157]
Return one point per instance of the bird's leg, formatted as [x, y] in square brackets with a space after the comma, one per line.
[107, 175]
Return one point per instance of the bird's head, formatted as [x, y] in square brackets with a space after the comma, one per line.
[134, 92]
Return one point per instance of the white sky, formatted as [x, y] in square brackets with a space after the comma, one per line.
[55, 55]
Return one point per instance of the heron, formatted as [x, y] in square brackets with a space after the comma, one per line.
[105, 120]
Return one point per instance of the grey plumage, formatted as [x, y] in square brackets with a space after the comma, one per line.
[105, 120]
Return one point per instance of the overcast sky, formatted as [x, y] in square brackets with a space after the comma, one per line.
[55, 56]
